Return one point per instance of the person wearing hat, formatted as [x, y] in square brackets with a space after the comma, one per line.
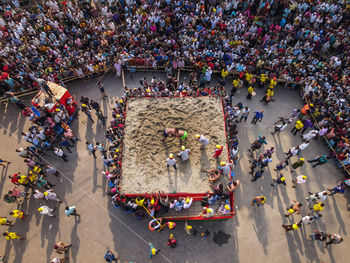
[207, 212]
[18, 214]
[297, 164]
[152, 250]
[50, 195]
[280, 180]
[188, 228]
[171, 161]
[259, 200]
[224, 208]
[301, 179]
[218, 150]
[297, 127]
[171, 241]
[12, 235]
[171, 225]
[225, 168]
[85, 109]
[61, 247]
[203, 140]
[45, 210]
[293, 208]
[188, 202]
[294, 226]
[184, 154]
[5, 222]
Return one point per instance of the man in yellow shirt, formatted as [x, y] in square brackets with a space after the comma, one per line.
[5, 222]
[224, 73]
[263, 79]
[298, 126]
[317, 208]
[12, 235]
[17, 214]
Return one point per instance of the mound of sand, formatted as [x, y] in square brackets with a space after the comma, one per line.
[145, 154]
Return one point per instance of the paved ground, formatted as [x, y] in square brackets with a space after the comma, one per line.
[254, 235]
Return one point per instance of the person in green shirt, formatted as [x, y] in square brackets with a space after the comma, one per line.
[321, 159]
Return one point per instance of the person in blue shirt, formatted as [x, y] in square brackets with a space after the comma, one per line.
[258, 116]
[338, 189]
[110, 257]
[70, 210]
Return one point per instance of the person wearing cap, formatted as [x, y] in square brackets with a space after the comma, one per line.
[300, 179]
[218, 150]
[188, 202]
[188, 228]
[259, 200]
[293, 208]
[224, 209]
[279, 180]
[321, 159]
[184, 154]
[61, 247]
[225, 168]
[5, 222]
[171, 241]
[207, 212]
[50, 195]
[297, 164]
[203, 140]
[297, 127]
[12, 235]
[18, 214]
[171, 161]
[171, 225]
[152, 250]
[45, 210]
[294, 226]
[85, 109]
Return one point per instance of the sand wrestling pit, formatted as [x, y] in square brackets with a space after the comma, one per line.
[145, 154]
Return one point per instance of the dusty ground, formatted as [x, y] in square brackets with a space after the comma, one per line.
[253, 235]
[144, 160]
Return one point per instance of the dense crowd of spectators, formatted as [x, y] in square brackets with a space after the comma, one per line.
[293, 40]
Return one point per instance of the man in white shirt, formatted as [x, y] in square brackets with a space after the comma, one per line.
[225, 168]
[61, 154]
[184, 154]
[188, 202]
[171, 161]
[304, 145]
[203, 140]
[292, 152]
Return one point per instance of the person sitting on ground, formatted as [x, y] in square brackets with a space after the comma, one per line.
[213, 175]
[207, 212]
[233, 186]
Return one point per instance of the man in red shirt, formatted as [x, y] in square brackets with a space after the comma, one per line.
[218, 151]
[14, 178]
